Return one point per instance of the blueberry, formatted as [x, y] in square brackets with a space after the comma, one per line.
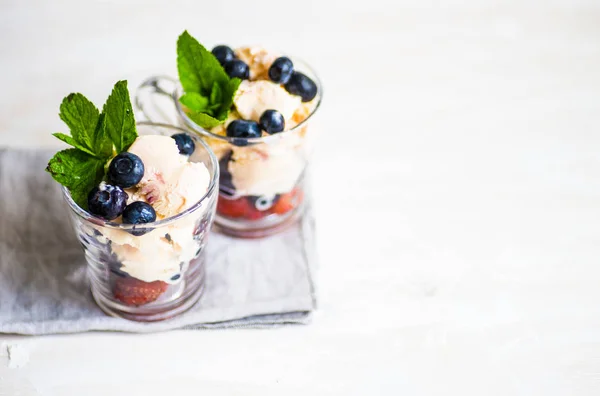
[271, 121]
[126, 170]
[263, 202]
[139, 213]
[185, 143]
[301, 85]
[237, 68]
[243, 129]
[107, 201]
[223, 54]
[281, 70]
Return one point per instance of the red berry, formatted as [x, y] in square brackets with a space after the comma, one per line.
[233, 207]
[287, 202]
[132, 291]
[253, 213]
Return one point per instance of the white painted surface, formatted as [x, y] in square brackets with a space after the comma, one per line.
[458, 194]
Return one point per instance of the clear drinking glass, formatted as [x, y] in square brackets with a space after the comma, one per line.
[262, 181]
[167, 256]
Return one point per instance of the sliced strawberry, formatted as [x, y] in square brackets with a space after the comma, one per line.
[288, 202]
[233, 207]
[132, 291]
[254, 214]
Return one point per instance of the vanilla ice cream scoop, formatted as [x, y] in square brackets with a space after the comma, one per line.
[258, 59]
[170, 183]
[254, 97]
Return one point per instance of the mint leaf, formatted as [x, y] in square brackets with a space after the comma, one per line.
[94, 136]
[204, 120]
[194, 101]
[216, 94]
[119, 122]
[202, 78]
[78, 171]
[103, 145]
[71, 141]
[198, 68]
[229, 91]
[81, 116]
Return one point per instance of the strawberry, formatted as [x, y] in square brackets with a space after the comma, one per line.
[254, 214]
[233, 207]
[132, 291]
[287, 202]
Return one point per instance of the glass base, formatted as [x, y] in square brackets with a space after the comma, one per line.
[177, 299]
[252, 229]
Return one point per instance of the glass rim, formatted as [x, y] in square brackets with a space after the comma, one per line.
[257, 140]
[214, 177]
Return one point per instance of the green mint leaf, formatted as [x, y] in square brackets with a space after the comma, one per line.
[204, 120]
[229, 91]
[81, 116]
[103, 145]
[201, 74]
[94, 136]
[216, 94]
[212, 108]
[198, 68]
[71, 141]
[119, 122]
[194, 101]
[78, 171]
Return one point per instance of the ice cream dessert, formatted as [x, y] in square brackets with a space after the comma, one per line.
[257, 130]
[169, 184]
[138, 196]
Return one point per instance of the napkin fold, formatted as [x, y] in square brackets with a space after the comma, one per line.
[43, 278]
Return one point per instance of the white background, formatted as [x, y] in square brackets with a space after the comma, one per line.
[457, 191]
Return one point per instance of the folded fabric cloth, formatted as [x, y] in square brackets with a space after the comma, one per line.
[43, 279]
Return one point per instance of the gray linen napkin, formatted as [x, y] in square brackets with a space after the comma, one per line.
[44, 287]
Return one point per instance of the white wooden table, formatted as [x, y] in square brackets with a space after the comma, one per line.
[458, 195]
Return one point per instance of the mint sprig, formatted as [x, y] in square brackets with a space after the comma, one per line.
[96, 138]
[209, 91]
[119, 123]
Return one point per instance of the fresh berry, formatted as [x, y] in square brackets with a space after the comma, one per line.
[281, 70]
[255, 214]
[243, 129]
[264, 202]
[107, 201]
[132, 291]
[243, 207]
[235, 208]
[139, 213]
[288, 202]
[301, 85]
[237, 68]
[126, 170]
[223, 54]
[271, 121]
[185, 143]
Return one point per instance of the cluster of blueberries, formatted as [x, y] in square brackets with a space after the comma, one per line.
[109, 200]
[281, 72]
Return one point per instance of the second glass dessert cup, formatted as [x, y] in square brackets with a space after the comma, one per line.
[153, 271]
[262, 181]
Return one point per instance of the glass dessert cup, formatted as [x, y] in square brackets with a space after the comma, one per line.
[154, 271]
[262, 179]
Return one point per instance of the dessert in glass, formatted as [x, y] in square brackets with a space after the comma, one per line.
[142, 199]
[263, 139]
